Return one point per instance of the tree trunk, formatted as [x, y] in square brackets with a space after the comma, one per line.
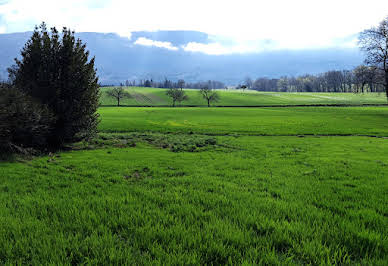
[208, 103]
[118, 102]
[173, 103]
[386, 83]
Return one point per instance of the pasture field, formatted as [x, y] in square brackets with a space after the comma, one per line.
[249, 121]
[157, 97]
[273, 186]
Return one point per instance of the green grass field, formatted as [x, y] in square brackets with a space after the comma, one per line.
[272, 186]
[157, 97]
[249, 121]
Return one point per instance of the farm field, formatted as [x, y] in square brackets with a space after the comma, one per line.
[249, 121]
[157, 97]
[274, 186]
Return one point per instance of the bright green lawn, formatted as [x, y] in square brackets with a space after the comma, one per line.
[252, 121]
[157, 97]
[271, 200]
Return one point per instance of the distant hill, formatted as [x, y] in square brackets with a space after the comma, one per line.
[119, 58]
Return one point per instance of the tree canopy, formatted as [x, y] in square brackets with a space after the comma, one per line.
[209, 95]
[176, 95]
[374, 43]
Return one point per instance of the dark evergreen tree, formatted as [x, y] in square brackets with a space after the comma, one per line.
[24, 122]
[56, 70]
[148, 83]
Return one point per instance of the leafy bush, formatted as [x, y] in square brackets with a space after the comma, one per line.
[24, 123]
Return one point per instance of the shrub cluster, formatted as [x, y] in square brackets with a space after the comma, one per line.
[25, 123]
[53, 96]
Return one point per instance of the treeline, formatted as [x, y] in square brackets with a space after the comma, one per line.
[170, 84]
[359, 80]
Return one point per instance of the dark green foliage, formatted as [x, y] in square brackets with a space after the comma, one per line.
[24, 123]
[56, 70]
[148, 83]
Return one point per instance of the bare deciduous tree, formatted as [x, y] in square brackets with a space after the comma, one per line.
[177, 95]
[209, 95]
[374, 42]
[118, 93]
[361, 77]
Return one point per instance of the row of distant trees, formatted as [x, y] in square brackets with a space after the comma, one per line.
[170, 84]
[359, 80]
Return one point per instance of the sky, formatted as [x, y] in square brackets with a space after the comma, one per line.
[240, 26]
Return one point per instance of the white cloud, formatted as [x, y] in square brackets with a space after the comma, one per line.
[216, 48]
[297, 24]
[212, 48]
[148, 42]
[222, 47]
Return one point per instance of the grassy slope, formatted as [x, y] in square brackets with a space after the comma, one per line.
[253, 121]
[254, 199]
[157, 97]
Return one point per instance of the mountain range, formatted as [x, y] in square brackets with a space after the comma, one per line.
[161, 54]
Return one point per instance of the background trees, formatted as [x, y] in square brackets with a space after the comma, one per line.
[56, 72]
[362, 75]
[181, 84]
[330, 81]
[209, 95]
[118, 93]
[374, 43]
[361, 79]
[248, 82]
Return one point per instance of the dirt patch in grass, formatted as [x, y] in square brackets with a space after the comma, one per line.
[172, 142]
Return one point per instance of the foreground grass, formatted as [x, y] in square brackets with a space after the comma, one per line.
[158, 97]
[249, 121]
[206, 186]
[269, 200]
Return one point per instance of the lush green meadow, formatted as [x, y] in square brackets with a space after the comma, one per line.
[157, 97]
[273, 186]
[249, 121]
